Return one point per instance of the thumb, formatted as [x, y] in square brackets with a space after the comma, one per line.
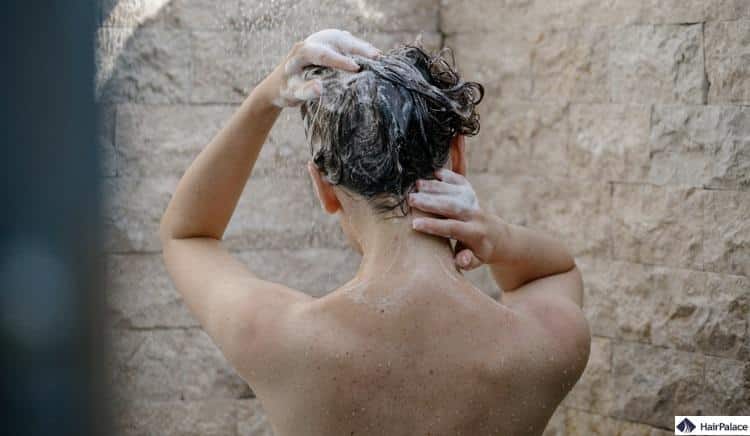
[466, 260]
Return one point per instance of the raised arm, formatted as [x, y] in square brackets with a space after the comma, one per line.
[524, 262]
[231, 303]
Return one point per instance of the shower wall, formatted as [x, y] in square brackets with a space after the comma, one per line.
[621, 126]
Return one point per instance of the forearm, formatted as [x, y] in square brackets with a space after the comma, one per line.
[521, 255]
[208, 192]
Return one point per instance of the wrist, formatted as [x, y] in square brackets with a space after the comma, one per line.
[499, 236]
[267, 92]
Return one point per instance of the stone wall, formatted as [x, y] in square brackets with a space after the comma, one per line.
[622, 126]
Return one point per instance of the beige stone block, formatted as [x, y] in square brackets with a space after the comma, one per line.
[499, 60]
[504, 195]
[132, 211]
[727, 387]
[465, 16]
[700, 146]
[148, 65]
[571, 65]
[132, 13]
[599, 301]
[669, 11]
[730, 165]
[658, 225]
[140, 294]
[577, 212]
[430, 41]
[213, 417]
[109, 43]
[227, 65]
[556, 424]
[252, 420]
[308, 16]
[164, 365]
[106, 139]
[520, 138]
[482, 15]
[676, 308]
[158, 141]
[657, 64]
[594, 392]
[580, 422]
[727, 232]
[654, 384]
[315, 271]
[728, 61]
[724, 337]
[209, 14]
[394, 15]
[544, 129]
[727, 10]
[273, 212]
[609, 142]
[682, 140]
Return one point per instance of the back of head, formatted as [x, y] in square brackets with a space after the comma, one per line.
[377, 131]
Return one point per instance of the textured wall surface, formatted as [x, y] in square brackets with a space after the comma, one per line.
[622, 126]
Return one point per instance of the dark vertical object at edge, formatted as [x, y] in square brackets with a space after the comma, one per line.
[50, 276]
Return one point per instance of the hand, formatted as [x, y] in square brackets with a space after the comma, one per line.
[328, 48]
[452, 197]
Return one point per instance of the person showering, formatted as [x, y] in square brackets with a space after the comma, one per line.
[409, 346]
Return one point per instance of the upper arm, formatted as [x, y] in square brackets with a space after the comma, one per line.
[565, 287]
[554, 303]
[230, 302]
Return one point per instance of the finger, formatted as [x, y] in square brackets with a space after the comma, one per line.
[297, 63]
[440, 204]
[328, 57]
[310, 90]
[467, 261]
[435, 187]
[355, 45]
[449, 176]
[446, 228]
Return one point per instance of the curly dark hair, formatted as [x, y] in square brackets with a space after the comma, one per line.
[379, 130]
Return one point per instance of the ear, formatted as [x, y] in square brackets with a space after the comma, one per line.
[459, 163]
[324, 190]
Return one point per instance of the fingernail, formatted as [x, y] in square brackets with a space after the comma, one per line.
[416, 223]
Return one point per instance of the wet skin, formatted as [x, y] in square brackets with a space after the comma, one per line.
[444, 360]
[409, 346]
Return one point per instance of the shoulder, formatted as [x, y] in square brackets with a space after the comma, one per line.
[565, 338]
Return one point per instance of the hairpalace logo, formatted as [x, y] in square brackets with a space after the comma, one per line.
[686, 426]
[712, 425]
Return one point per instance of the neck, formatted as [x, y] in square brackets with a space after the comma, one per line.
[393, 250]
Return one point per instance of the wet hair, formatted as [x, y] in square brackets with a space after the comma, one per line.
[377, 131]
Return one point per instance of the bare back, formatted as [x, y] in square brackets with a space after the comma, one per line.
[432, 362]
